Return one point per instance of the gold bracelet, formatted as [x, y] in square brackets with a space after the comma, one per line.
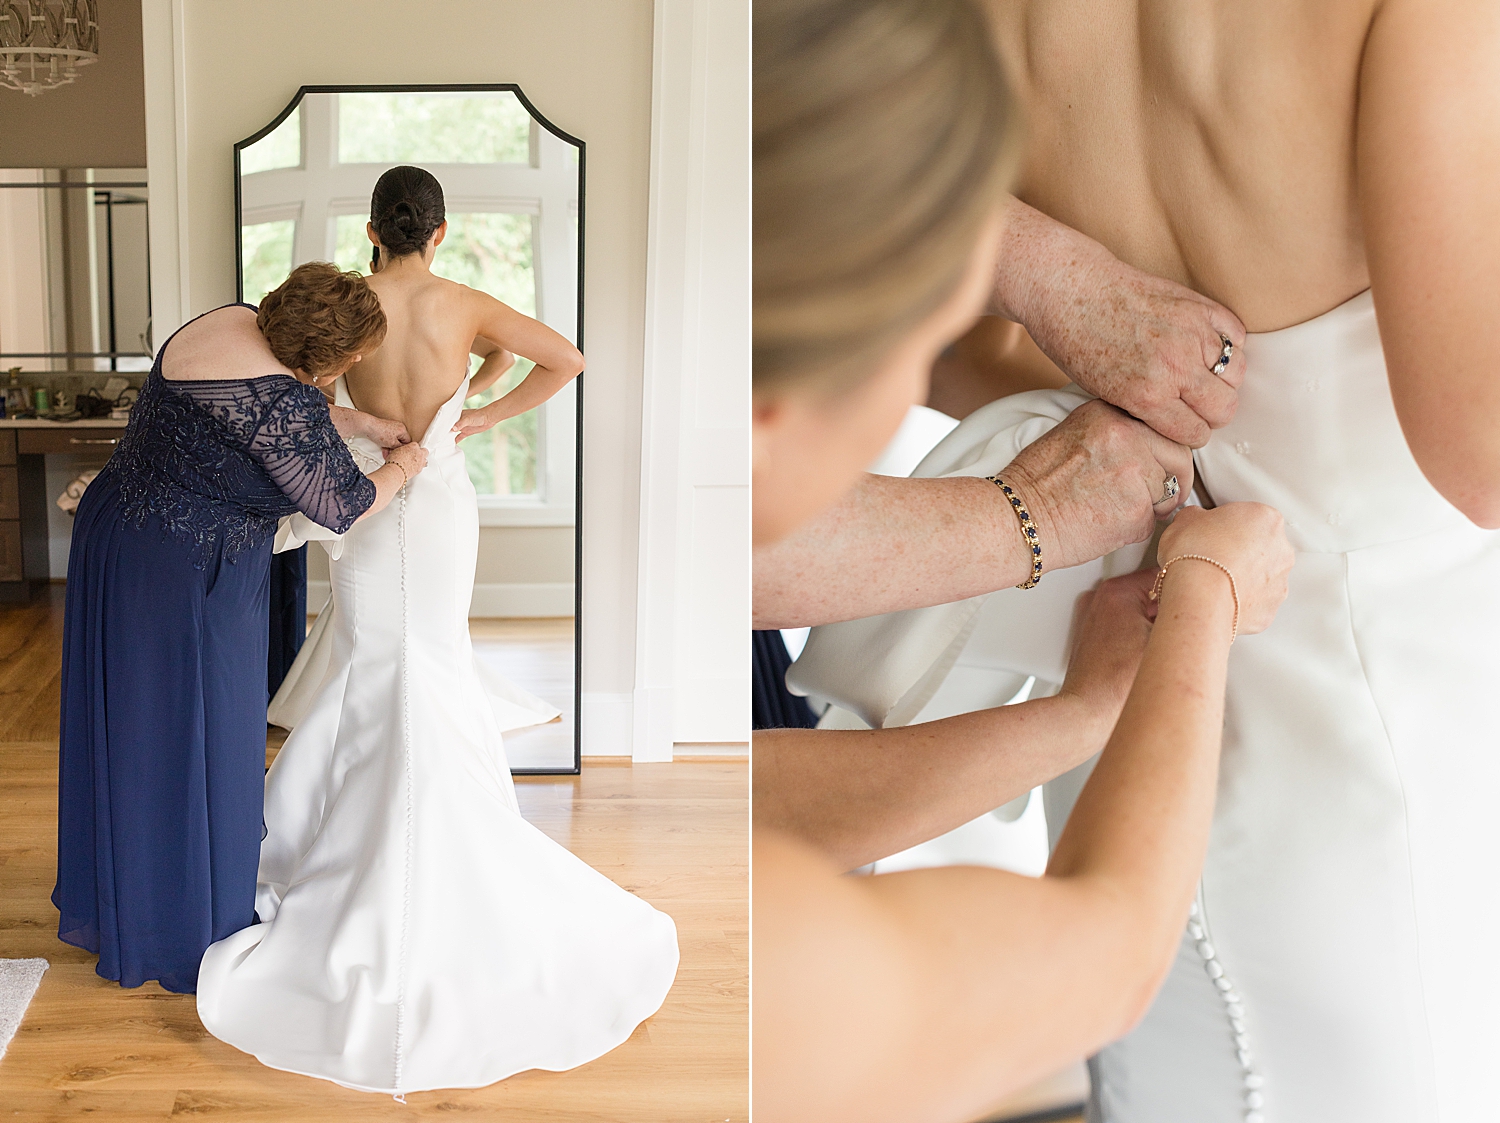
[1161, 575]
[1028, 528]
[405, 479]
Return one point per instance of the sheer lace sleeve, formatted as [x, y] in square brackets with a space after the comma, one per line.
[285, 427]
[297, 445]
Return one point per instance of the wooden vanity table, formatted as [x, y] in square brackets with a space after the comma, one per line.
[24, 447]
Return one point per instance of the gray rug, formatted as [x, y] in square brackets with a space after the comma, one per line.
[19, 979]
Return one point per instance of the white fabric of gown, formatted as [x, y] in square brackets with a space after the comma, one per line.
[416, 932]
[1345, 900]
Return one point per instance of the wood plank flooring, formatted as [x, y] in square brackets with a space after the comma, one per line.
[674, 833]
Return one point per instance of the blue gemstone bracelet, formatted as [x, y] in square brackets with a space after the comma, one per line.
[1028, 528]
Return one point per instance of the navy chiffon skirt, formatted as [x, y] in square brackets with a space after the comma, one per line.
[162, 770]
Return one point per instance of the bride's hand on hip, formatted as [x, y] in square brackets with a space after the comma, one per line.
[472, 421]
[411, 458]
[1249, 539]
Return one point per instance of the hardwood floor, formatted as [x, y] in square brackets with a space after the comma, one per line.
[674, 833]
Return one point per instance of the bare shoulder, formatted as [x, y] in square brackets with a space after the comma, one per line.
[222, 344]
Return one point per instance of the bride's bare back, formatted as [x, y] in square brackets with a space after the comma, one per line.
[432, 325]
[1208, 143]
[1282, 156]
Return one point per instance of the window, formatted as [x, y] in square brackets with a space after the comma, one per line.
[512, 193]
[281, 148]
[433, 129]
[266, 249]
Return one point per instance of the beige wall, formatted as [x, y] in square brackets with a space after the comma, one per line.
[99, 121]
[586, 65]
[508, 555]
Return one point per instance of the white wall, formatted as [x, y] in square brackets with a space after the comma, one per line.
[693, 645]
[216, 72]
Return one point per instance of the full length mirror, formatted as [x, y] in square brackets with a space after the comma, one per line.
[513, 187]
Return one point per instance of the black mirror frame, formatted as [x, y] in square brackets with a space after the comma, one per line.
[239, 288]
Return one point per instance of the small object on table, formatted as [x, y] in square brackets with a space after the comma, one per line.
[92, 404]
[43, 398]
[17, 397]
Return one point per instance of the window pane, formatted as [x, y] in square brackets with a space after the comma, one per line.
[492, 252]
[351, 245]
[267, 249]
[433, 129]
[282, 149]
[503, 460]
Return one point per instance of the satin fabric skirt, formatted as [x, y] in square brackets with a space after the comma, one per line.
[417, 932]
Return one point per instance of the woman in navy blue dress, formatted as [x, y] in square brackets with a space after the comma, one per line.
[164, 646]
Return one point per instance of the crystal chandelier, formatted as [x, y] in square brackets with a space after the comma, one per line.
[44, 42]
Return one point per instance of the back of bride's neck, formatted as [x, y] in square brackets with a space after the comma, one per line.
[407, 265]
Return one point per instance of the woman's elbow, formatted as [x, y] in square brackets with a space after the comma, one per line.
[1483, 512]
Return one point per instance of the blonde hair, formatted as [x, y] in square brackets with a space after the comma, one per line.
[884, 140]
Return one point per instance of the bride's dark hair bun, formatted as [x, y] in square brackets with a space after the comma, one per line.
[405, 209]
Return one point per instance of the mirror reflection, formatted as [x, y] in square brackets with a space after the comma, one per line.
[512, 188]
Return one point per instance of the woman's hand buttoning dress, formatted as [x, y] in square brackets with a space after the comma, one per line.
[164, 647]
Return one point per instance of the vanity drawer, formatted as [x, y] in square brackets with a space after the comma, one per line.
[7, 446]
[10, 493]
[12, 565]
[99, 441]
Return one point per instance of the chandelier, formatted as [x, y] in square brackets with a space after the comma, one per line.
[44, 42]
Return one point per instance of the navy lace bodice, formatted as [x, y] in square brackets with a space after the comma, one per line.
[219, 463]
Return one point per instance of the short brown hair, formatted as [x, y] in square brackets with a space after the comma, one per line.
[884, 140]
[319, 317]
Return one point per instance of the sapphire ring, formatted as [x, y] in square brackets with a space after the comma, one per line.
[1222, 364]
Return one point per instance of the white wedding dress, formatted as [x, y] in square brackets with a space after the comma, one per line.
[1339, 968]
[415, 932]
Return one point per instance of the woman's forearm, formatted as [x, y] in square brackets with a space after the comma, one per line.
[859, 795]
[540, 385]
[1140, 827]
[349, 423]
[492, 369]
[1427, 153]
[891, 544]
[929, 995]
[388, 480]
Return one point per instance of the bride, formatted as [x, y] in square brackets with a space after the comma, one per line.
[414, 931]
[1326, 171]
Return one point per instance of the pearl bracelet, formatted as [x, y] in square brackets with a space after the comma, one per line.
[1161, 575]
[1028, 528]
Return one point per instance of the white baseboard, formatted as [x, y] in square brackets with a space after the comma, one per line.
[492, 599]
[608, 724]
[734, 749]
